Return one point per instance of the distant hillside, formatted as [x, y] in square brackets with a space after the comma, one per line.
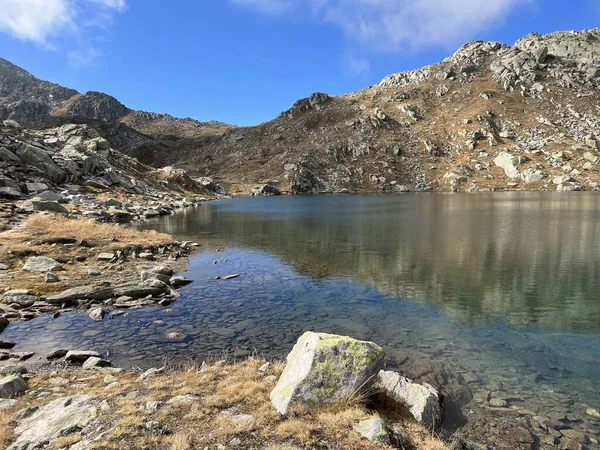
[489, 117]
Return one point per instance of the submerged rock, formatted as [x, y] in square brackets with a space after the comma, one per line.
[325, 368]
[422, 400]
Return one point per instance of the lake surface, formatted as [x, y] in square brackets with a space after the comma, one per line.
[486, 296]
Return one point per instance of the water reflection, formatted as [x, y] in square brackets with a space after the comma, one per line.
[531, 258]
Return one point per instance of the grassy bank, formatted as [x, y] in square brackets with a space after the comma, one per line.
[218, 406]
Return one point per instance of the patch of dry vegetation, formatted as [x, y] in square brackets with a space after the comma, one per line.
[75, 243]
[230, 401]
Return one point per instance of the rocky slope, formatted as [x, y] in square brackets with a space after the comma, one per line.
[488, 117]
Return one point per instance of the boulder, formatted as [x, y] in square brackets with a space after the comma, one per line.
[93, 362]
[179, 281]
[325, 368]
[509, 163]
[49, 206]
[10, 193]
[80, 356]
[423, 401]
[41, 264]
[56, 419]
[12, 385]
[36, 187]
[374, 430]
[97, 314]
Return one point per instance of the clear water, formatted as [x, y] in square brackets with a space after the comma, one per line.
[481, 295]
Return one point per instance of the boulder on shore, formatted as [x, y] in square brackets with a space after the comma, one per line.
[422, 400]
[41, 264]
[325, 368]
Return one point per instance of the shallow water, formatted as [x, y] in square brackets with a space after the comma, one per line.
[481, 295]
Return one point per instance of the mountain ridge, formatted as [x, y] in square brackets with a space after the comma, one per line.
[488, 117]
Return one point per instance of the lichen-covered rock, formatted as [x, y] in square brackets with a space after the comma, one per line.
[324, 368]
[374, 430]
[56, 419]
[422, 400]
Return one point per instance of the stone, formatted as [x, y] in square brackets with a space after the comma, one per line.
[5, 344]
[70, 295]
[374, 430]
[7, 403]
[325, 368]
[49, 206]
[146, 255]
[264, 367]
[532, 175]
[593, 412]
[562, 179]
[93, 362]
[137, 291]
[105, 256]
[423, 401]
[162, 270]
[3, 266]
[10, 193]
[3, 323]
[154, 283]
[41, 264]
[97, 314]
[10, 370]
[55, 354]
[179, 281]
[176, 336]
[50, 277]
[9, 123]
[80, 356]
[58, 418]
[12, 385]
[498, 403]
[509, 163]
[36, 187]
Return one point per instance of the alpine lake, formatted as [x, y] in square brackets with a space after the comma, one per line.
[493, 298]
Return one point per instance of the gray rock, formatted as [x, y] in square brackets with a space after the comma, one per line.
[7, 155]
[179, 281]
[13, 369]
[422, 401]
[97, 314]
[10, 193]
[374, 430]
[3, 266]
[12, 385]
[509, 163]
[3, 323]
[53, 420]
[80, 356]
[7, 403]
[55, 354]
[147, 275]
[49, 206]
[154, 283]
[35, 187]
[51, 278]
[93, 362]
[50, 196]
[41, 264]
[105, 256]
[5, 344]
[137, 291]
[325, 368]
[70, 295]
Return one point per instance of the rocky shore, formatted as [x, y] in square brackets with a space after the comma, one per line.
[330, 393]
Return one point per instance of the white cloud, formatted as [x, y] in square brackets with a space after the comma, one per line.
[391, 25]
[49, 22]
[35, 20]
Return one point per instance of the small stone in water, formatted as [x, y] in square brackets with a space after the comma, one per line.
[229, 277]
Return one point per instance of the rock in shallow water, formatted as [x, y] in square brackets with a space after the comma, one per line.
[325, 368]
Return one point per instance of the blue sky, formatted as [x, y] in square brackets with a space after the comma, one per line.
[244, 61]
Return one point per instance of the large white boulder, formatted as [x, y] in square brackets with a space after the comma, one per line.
[325, 368]
[422, 400]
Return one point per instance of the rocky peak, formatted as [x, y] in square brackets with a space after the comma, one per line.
[96, 106]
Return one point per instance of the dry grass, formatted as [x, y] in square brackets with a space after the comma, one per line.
[53, 236]
[225, 392]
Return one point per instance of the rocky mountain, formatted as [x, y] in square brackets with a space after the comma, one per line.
[489, 117]
[155, 139]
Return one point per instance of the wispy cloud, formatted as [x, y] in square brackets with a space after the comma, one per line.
[394, 25]
[45, 22]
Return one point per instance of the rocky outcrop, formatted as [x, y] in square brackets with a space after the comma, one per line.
[325, 368]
